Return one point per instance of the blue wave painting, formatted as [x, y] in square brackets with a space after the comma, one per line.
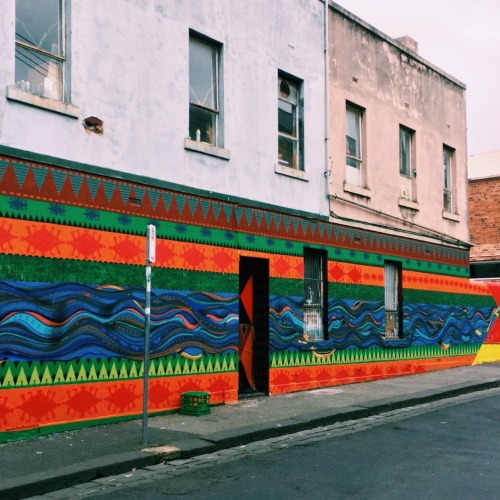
[70, 321]
[360, 324]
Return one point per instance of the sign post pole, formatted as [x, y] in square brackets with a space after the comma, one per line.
[150, 257]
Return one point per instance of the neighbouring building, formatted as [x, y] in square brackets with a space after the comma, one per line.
[307, 178]
[484, 200]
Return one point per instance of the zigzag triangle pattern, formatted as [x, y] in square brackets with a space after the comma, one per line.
[28, 374]
[43, 182]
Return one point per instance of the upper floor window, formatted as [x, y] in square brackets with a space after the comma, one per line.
[449, 204]
[290, 143]
[204, 109]
[40, 50]
[405, 151]
[353, 145]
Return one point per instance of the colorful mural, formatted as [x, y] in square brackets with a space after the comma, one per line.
[72, 241]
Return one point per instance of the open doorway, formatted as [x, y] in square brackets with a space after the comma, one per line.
[254, 326]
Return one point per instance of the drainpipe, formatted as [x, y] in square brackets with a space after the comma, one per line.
[327, 111]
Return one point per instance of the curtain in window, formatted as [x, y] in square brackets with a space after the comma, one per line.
[404, 152]
[313, 294]
[391, 286]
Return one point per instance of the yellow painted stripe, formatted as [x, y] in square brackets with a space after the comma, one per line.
[488, 353]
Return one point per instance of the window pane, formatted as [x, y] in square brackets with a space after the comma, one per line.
[203, 121]
[391, 300]
[287, 118]
[203, 74]
[314, 263]
[38, 24]
[287, 91]
[287, 151]
[391, 284]
[38, 73]
[404, 152]
[353, 147]
[446, 167]
[447, 201]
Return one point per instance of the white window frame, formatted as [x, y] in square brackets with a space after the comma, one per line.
[405, 151]
[45, 69]
[448, 179]
[198, 104]
[354, 145]
[290, 103]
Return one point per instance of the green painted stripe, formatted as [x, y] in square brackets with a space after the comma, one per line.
[376, 293]
[355, 292]
[446, 298]
[37, 269]
[286, 286]
[11, 436]
[375, 354]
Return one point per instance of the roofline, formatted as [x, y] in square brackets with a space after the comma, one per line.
[485, 177]
[395, 43]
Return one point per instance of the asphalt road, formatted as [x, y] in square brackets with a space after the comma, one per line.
[447, 450]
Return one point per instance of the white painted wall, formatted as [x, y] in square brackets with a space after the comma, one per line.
[129, 67]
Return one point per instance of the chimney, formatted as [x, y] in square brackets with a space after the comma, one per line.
[408, 42]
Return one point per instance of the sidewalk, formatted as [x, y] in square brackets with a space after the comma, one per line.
[49, 463]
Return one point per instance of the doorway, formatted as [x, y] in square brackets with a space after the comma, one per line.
[253, 326]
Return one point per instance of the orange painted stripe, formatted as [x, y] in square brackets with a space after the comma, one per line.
[438, 283]
[47, 240]
[32, 407]
[285, 380]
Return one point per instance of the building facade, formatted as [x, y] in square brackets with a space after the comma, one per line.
[277, 161]
[484, 197]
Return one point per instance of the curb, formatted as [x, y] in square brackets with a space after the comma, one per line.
[65, 477]
[238, 437]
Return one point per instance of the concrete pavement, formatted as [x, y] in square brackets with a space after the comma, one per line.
[57, 461]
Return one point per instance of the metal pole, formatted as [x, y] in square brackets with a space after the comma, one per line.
[147, 328]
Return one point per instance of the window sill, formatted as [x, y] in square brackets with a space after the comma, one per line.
[291, 172]
[207, 149]
[18, 95]
[451, 216]
[359, 191]
[403, 202]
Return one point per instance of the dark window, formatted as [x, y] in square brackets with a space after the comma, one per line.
[315, 294]
[290, 143]
[393, 295]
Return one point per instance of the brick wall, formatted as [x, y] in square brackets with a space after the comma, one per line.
[484, 210]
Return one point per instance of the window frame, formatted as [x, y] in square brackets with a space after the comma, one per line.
[449, 202]
[315, 286]
[215, 112]
[22, 48]
[393, 300]
[406, 171]
[355, 179]
[297, 105]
